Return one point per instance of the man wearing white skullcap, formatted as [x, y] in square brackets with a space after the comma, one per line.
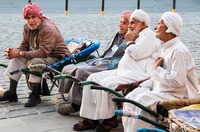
[135, 65]
[174, 23]
[174, 77]
[141, 16]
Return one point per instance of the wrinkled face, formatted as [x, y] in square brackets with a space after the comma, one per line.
[123, 26]
[160, 30]
[134, 24]
[33, 21]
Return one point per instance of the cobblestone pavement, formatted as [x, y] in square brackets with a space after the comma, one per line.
[15, 117]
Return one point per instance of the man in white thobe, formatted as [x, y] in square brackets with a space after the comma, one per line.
[135, 65]
[174, 77]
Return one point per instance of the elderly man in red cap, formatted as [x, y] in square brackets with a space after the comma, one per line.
[42, 43]
[108, 61]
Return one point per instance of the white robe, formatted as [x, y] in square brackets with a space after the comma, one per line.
[176, 79]
[136, 64]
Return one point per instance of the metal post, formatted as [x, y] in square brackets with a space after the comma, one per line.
[174, 6]
[66, 7]
[102, 9]
[138, 4]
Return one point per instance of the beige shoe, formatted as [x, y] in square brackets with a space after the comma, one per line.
[66, 109]
[2, 91]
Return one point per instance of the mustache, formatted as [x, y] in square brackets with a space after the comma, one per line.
[32, 23]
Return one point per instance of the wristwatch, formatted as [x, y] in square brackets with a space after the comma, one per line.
[21, 53]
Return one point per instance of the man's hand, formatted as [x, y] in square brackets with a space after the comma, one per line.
[121, 87]
[130, 36]
[11, 53]
[158, 62]
[7, 53]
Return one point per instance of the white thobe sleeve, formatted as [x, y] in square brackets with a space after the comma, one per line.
[176, 76]
[144, 47]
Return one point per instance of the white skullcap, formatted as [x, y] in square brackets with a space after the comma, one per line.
[174, 22]
[141, 16]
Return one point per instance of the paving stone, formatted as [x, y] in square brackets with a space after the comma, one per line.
[46, 109]
[3, 116]
[15, 108]
[19, 113]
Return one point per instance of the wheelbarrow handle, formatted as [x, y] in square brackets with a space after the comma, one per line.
[153, 123]
[3, 65]
[98, 87]
[83, 83]
[132, 114]
[160, 117]
[26, 71]
[15, 71]
[59, 77]
[63, 76]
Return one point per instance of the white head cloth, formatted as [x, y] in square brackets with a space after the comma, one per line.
[174, 22]
[141, 16]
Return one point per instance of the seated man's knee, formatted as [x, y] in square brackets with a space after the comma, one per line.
[107, 82]
[69, 69]
[80, 72]
[35, 61]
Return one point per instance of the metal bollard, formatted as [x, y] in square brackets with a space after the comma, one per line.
[66, 7]
[102, 9]
[174, 6]
[138, 4]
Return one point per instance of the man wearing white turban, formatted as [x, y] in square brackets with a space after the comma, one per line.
[173, 22]
[141, 16]
[174, 77]
[136, 64]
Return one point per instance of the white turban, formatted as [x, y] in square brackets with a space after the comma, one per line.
[141, 16]
[174, 22]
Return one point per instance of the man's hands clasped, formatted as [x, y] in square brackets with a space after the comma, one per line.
[11, 53]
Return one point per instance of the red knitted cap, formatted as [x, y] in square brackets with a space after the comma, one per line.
[32, 9]
[126, 14]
